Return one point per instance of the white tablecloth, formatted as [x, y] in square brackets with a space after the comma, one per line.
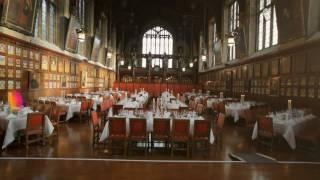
[149, 118]
[19, 122]
[176, 104]
[71, 108]
[236, 109]
[286, 127]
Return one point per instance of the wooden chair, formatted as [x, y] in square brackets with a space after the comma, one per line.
[221, 108]
[97, 128]
[265, 130]
[250, 118]
[83, 110]
[201, 134]
[192, 105]
[116, 109]
[180, 135]
[35, 127]
[218, 129]
[161, 132]
[199, 108]
[104, 110]
[55, 118]
[117, 133]
[138, 133]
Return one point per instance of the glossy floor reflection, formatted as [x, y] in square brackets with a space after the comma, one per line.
[74, 141]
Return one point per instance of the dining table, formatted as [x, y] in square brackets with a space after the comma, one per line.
[287, 123]
[12, 123]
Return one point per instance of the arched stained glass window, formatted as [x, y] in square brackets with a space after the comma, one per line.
[157, 41]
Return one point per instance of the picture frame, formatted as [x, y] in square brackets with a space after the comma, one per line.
[18, 84]
[37, 56]
[18, 73]
[2, 84]
[2, 60]
[31, 54]
[10, 73]
[19, 15]
[34, 80]
[10, 84]
[61, 66]
[25, 64]
[66, 66]
[18, 63]
[18, 51]
[3, 47]
[25, 53]
[44, 62]
[31, 65]
[11, 50]
[11, 61]
[274, 87]
[2, 72]
[53, 64]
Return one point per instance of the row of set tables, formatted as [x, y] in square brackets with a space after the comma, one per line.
[169, 101]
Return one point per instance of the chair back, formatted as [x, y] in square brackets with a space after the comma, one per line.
[84, 106]
[249, 116]
[117, 126]
[200, 108]
[35, 121]
[138, 127]
[90, 104]
[221, 108]
[116, 108]
[202, 128]
[95, 119]
[220, 121]
[181, 127]
[192, 104]
[265, 124]
[55, 114]
[161, 126]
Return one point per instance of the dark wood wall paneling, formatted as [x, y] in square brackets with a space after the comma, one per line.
[293, 74]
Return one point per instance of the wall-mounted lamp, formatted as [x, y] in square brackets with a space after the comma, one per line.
[109, 55]
[191, 64]
[81, 35]
[204, 55]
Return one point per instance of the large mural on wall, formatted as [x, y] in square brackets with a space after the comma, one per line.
[19, 15]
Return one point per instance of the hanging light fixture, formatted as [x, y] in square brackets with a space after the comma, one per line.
[129, 67]
[183, 69]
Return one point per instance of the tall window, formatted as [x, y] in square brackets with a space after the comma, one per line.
[233, 25]
[157, 41]
[45, 27]
[267, 24]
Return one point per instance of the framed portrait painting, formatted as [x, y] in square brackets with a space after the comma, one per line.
[19, 15]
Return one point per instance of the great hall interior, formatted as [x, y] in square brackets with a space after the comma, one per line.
[159, 89]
